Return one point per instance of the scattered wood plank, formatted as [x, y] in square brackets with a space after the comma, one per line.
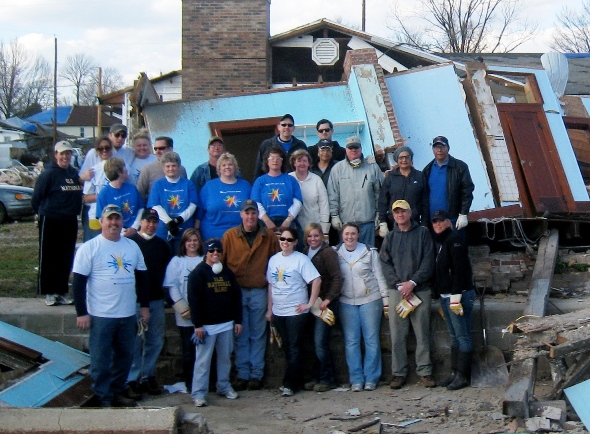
[365, 425]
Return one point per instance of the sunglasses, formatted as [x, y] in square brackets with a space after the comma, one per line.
[124, 135]
[274, 158]
[287, 125]
[160, 148]
[325, 130]
[289, 240]
[104, 149]
[354, 147]
[214, 250]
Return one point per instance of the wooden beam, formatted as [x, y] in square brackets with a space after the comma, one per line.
[569, 347]
[522, 374]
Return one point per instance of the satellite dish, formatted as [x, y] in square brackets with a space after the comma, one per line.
[557, 69]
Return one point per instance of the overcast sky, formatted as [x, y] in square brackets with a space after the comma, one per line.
[135, 36]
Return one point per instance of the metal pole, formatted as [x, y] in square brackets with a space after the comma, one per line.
[55, 94]
[363, 17]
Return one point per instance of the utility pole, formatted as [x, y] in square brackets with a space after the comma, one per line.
[55, 93]
[99, 107]
[363, 17]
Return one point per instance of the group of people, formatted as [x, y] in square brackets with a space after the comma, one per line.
[231, 256]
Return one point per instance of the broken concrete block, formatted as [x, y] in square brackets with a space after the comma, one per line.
[537, 423]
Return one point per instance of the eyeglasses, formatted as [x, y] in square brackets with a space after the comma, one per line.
[289, 240]
[325, 130]
[287, 125]
[275, 158]
[104, 149]
[216, 145]
[216, 250]
[160, 148]
[124, 135]
[325, 148]
[404, 157]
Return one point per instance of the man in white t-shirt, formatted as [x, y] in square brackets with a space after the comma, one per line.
[110, 276]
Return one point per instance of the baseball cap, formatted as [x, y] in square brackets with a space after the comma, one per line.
[400, 204]
[214, 244]
[215, 139]
[287, 116]
[440, 139]
[110, 210]
[150, 213]
[325, 143]
[249, 204]
[115, 128]
[353, 142]
[440, 214]
[63, 146]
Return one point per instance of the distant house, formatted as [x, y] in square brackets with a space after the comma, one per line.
[77, 121]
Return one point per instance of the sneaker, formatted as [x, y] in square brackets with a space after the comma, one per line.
[357, 387]
[285, 391]
[133, 391]
[310, 385]
[397, 382]
[370, 387]
[151, 386]
[323, 387]
[200, 402]
[64, 299]
[240, 384]
[230, 394]
[51, 300]
[255, 384]
[428, 381]
[120, 400]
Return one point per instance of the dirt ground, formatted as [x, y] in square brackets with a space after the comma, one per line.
[468, 410]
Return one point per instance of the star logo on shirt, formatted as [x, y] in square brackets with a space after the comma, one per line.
[280, 275]
[174, 202]
[125, 207]
[275, 195]
[231, 201]
[119, 263]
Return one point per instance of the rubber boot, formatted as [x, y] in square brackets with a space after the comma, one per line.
[462, 379]
[451, 377]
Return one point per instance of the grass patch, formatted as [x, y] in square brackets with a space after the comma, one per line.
[19, 250]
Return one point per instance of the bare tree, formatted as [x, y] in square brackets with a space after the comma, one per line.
[464, 26]
[25, 80]
[573, 36]
[111, 80]
[79, 71]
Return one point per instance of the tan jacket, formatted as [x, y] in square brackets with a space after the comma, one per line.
[249, 263]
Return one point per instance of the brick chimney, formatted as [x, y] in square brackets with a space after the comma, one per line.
[225, 47]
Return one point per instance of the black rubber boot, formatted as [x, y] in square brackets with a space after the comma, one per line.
[462, 379]
[451, 377]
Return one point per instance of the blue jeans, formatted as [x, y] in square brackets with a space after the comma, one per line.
[292, 330]
[399, 329]
[223, 344]
[111, 354]
[363, 321]
[251, 343]
[149, 347]
[460, 326]
[321, 339]
[367, 234]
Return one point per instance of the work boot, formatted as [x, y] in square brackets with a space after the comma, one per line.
[240, 384]
[397, 382]
[121, 401]
[151, 386]
[254, 384]
[133, 391]
[428, 381]
[451, 377]
[462, 379]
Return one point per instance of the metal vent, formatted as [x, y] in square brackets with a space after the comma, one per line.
[325, 51]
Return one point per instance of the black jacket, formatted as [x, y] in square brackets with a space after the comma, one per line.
[156, 255]
[213, 298]
[296, 145]
[452, 268]
[327, 264]
[412, 188]
[338, 152]
[459, 187]
[58, 193]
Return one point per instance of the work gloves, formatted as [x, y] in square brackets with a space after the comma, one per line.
[336, 222]
[275, 336]
[455, 304]
[182, 308]
[174, 225]
[383, 230]
[385, 301]
[325, 315]
[461, 221]
[325, 227]
[406, 307]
